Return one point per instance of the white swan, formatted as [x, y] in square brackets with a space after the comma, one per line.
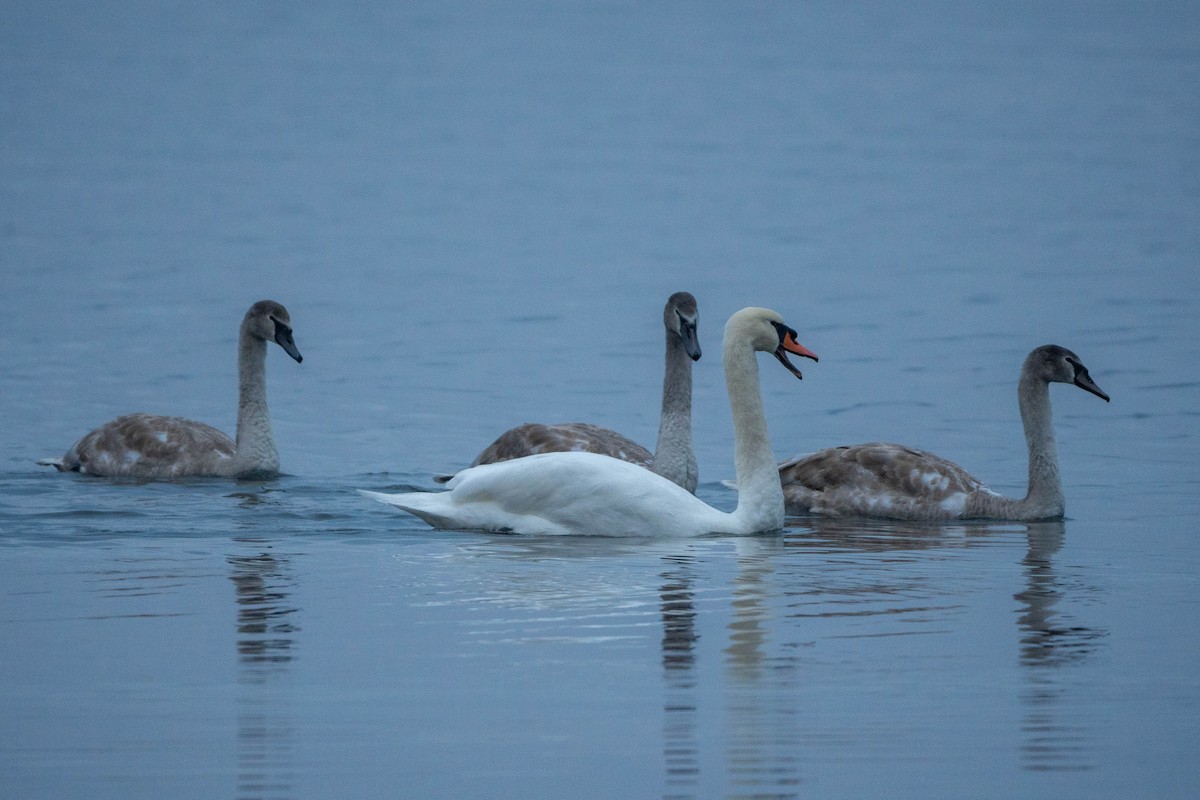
[889, 480]
[150, 446]
[674, 457]
[586, 493]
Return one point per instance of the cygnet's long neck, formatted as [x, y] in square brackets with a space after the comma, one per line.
[1045, 495]
[760, 494]
[255, 444]
[674, 455]
[1044, 498]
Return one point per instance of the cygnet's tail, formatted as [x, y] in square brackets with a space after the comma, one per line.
[57, 463]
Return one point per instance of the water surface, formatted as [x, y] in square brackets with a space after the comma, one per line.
[474, 213]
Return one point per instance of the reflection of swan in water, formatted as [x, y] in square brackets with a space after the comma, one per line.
[762, 682]
[877, 535]
[1046, 641]
[265, 638]
[1047, 647]
[264, 628]
[761, 675]
[678, 613]
[747, 627]
[681, 753]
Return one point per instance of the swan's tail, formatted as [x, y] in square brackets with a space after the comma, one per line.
[413, 503]
[57, 463]
[389, 499]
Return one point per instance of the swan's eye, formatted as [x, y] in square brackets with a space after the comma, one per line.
[281, 327]
[783, 331]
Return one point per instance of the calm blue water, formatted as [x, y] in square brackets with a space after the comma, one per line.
[474, 213]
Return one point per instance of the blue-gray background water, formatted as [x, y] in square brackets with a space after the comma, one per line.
[474, 212]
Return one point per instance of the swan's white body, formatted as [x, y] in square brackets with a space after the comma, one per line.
[674, 456]
[587, 493]
[553, 494]
[880, 479]
[149, 446]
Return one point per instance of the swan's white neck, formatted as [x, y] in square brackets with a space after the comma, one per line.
[674, 455]
[760, 494]
[255, 444]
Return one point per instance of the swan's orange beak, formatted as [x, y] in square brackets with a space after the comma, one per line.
[792, 346]
[788, 344]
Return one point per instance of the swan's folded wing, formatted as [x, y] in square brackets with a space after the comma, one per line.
[548, 482]
[558, 493]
